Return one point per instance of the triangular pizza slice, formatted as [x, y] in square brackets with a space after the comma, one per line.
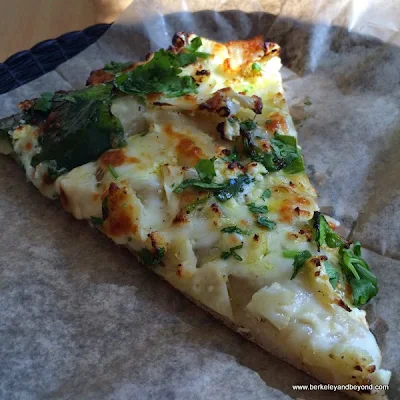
[190, 160]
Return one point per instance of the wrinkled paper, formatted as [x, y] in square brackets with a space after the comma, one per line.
[79, 318]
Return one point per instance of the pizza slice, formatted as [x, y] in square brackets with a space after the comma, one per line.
[190, 160]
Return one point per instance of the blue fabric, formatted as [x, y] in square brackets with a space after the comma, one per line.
[27, 65]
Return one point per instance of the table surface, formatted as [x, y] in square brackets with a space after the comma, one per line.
[27, 22]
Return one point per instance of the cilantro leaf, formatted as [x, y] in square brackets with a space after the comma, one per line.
[205, 170]
[113, 172]
[232, 252]
[233, 156]
[232, 188]
[79, 131]
[256, 67]
[257, 209]
[192, 206]
[192, 48]
[160, 75]
[44, 102]
[299, 261]
[284, 153]
[324, 234]
[266, 194]
[235, 229]
[264, 221]
[290, 253]
[333, 274]
[151, 258]
[114, 67]
[362, 291]
[362, 281]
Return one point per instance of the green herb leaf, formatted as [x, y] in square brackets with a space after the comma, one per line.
[257, 209]
[206, 170]
[284, 155]
[248, 125]
[362, 281]
[299, 261]
[362, 291]
[333, 274]
[115, 67]
[265, 222]
[193, 206]
[232, 252]
[324, 234]
[232, 188]
[44, 102]
[256, 67]
[266, 194]
[235, 229]
[79, 131]
[96, 220]
[290, 253]
[113, 172]
[160, 75]
[151, 258]
[233, 156]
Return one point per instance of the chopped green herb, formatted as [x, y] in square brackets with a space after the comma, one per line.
[266, 194]
[231, 157]
[362, 291]
[257, 209]
[324, 234]
[113, 172]
[256, 67]
[192, 48]
[115, 67]
[299, 261]
[362, 281]
[248, 125]
[162, 74]
[232, 252]
[151, 258]
[290, 253]
[80, 130]
[96, 220]
[199, 185]
[333, 274]
[284, 155]
[44, 102]
[232, 188]
[235, 229]
[206, 170]
[193, 206]
[265, 222]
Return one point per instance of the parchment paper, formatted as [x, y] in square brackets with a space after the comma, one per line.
[79, 319]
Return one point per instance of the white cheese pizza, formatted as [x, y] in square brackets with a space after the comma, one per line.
[190, 160]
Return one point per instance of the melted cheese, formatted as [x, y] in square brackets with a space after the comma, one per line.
[144, 212]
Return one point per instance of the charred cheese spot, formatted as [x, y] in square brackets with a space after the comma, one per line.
[119, 221]
[276, 123]
[188, 153]
[116, 158]
[290, 209]
[180, 218]
[249, 50]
